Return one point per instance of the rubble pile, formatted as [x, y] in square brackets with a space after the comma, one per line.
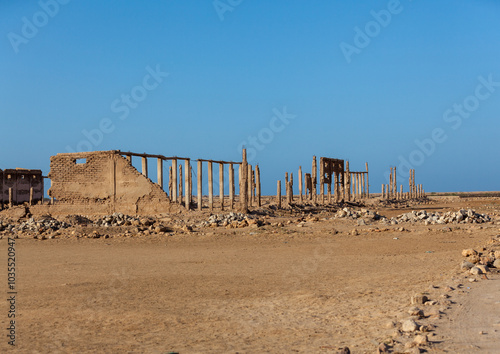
[355, 214]
[117, 219]
[231, 220]
[42, 225]
[462, 216]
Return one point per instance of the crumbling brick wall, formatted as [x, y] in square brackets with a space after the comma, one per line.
[104, 180]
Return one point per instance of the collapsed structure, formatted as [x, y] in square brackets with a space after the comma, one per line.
[18, 186]
[105, 182]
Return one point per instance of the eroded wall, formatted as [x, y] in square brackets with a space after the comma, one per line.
[104, 182]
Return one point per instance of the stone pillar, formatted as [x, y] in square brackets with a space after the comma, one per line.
[210, 186]
[145, 166]
[314, 178]
[336, 186]
[383, 191]
[300, 184]
[363, 186]
[278, 195]
[291, 186]
[347, 181]
[199, 185]
[243, 182]
[190, 184]
[31, 195]
[249, 185]
[257, 184]
[231, 186]
[387, 192]
[329, 187]
[390, 184]
[321, 180]
[174, 180]
[181, 190]
[159, 172]
[367, 181]
[221, 185]
[11, 198]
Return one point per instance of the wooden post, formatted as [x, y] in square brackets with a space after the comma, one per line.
[249, 185]
[231, 186]
[159, 172]
[221, 185]
[300, 184]
[257, 182]
[278, 195]
[199, 184]
[145, 166]
[243, 182]
[174, 180]
[210, 186]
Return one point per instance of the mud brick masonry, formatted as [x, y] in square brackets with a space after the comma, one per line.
[18, 186]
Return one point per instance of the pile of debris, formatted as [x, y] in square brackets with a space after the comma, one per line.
[354, 214]
[462, 216]
[479, 263]
[45, 224]
[231, 220]
[118, 219]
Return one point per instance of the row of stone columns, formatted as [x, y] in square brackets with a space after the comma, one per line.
[182, 190]
[348, 184]
[389, 191]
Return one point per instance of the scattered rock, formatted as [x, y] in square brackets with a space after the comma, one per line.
[409, 326]
[469, 252]
[419, 299]
[476, 271]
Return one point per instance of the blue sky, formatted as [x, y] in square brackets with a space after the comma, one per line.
[392, 83]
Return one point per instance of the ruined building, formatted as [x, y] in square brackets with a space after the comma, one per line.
[18, 186]
[104, 182]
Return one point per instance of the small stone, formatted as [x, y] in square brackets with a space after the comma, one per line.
[354, 232]
[476, 271]
[415, 311]
[409, 326]
[472, 280]
[469, 252]
[496, 264]
[497, 254]
[420, 339]
[465, 265]
[390, 324]
[483, 268]
[430, 303]
[419, 299]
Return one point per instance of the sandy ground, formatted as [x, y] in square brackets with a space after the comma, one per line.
[270, 289]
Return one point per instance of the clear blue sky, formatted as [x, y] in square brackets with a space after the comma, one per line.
[360, 80]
